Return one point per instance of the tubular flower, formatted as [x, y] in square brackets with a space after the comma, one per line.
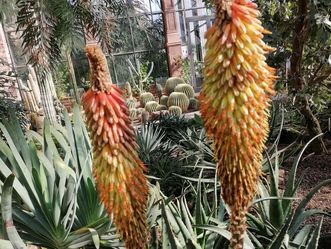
[234, 103]
[119, 173]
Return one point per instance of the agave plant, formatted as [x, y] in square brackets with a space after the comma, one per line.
[55, 204]
[274, 221]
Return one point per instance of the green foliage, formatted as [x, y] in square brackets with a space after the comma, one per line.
[7, 213]
[48, 25]
[274, 220]
[8, 105]
[8, 102]
[186, 74]
[178, 99]
[162, 158]
[281, 17]
[62, 80]
[141, 76]
[55, 203]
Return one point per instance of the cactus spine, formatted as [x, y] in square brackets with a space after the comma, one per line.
[234, 102]
[175, 111]
[130, 103]
[179, 99]
[185, 88]
[118, 171]
[171, 83]
[134, 113]
[128, 90]
[151, 106]
[145, 97]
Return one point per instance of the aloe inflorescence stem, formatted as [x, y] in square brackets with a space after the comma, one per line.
[234, 103]
[119, 173]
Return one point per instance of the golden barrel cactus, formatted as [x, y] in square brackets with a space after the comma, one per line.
[234, 103]
[119, 173]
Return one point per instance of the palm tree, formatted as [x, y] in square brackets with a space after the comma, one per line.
[50, 25]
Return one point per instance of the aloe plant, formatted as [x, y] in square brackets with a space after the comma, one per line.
[6, 211]
[274, 221]
[55, 204]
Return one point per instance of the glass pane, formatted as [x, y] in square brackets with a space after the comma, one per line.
[160, 67]
[140, 29]
[156, 5]
[121, 35]
[148, 32]
[15, 44]
[120, 68]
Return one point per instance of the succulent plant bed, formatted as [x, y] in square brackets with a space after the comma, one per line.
[177, 98]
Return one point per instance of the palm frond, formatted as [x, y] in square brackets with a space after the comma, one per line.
[38, 26]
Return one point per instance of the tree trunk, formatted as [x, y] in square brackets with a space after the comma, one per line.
[296, 81]
[313, 126]
[47, 101]
[72, 76]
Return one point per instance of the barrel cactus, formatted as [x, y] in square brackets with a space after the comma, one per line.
[164, 100]
[151, 106]
[161, 108]
[156, 89]
[145, 97]
[178, 99]
[185, 88]
[159, 90]
[130, 103]
[171, 83]
[119, 173]
[134, 113]
[175, 111]
[194, 104]
[234, 104]
[128, 90]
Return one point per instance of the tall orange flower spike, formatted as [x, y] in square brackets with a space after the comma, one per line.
[234, 103]
[118, 171]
